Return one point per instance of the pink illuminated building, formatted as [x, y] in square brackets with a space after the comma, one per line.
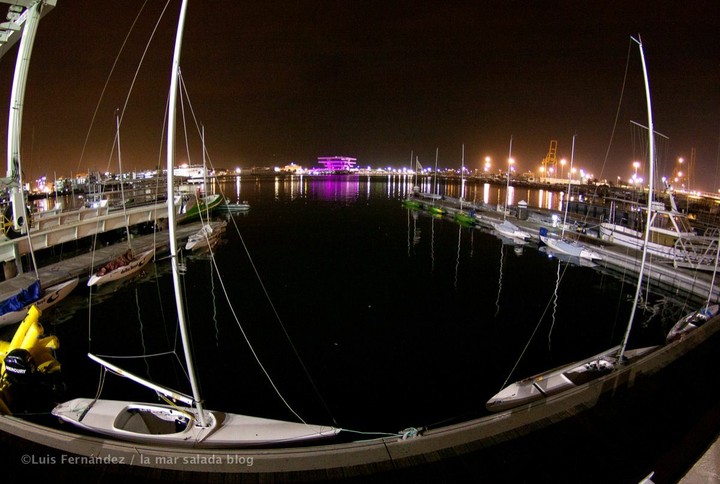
[337, 163]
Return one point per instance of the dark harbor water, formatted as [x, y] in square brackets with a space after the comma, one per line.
[378, 318]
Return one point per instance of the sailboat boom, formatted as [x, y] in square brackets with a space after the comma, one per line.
[168, 392]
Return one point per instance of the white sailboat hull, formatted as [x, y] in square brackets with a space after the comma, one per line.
[51, 296]
[691, 322]
[509, 229]
[178, 426]
[122, 272]
[569, 248]
[205, 237]
[560, 379]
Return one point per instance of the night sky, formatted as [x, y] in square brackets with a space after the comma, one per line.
[279, 82]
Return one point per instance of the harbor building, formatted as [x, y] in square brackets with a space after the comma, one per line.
[337, 163]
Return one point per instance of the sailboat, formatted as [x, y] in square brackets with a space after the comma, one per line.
[578, 373]
[506, 227]
[410, 201]
[191, 206]
[672, 236]
[697, 318]
[127, 263]
[168, 425]
[562, 245]
[206, 236]
[436, 209]
[194, 205]
[463, 217]
[13, 309]
[691, 322]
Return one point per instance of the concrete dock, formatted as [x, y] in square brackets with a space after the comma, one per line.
[660, 395]
[82, 265]
[617, 260]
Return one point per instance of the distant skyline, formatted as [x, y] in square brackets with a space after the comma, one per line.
[281, 82]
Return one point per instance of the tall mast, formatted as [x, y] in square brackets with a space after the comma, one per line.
[184, 332]
[435, 187]
[122, 181]
[651, 159]
[412, 177]
[567, 197]
[205, 180]
[507, 189]
[462, 176]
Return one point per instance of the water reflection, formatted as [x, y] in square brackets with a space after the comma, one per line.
[351, 187]
[457, 258]
[500, 278]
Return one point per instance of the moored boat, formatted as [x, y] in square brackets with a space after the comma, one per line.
[568, 247]
[121, 267]
[691, 322]
[191, 207]
[465, 218]
[15, 309]
[437, 210]
[561, 379]
[205, 237]
[672, 237]
[179, 426]
[228, 206]
[510, 230]
[412, 203]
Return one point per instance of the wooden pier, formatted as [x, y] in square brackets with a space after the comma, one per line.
[83, 265]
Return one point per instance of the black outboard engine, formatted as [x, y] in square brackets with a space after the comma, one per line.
[20, 367]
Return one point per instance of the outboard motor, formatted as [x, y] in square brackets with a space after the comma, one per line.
[20, 368]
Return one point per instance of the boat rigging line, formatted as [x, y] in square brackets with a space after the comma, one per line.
[112, 69]
[537, 326]
[186, 98]
[555, 305]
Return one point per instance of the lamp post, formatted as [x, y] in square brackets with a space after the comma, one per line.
[562, 167]
[681, 160]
